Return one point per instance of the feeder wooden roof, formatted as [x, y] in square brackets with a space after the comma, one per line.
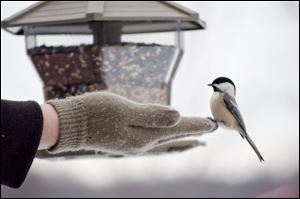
[161, 15]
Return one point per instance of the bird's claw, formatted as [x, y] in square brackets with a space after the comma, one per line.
[211, 119]
[214, 121]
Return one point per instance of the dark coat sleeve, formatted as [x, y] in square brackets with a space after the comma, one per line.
[21, 130]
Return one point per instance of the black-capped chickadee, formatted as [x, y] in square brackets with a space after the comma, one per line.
[225, 109]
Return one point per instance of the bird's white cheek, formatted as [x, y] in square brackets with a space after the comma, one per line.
[228, 88]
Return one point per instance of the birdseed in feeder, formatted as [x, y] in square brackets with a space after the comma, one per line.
[135, 71]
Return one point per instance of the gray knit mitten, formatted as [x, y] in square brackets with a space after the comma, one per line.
[106, 122]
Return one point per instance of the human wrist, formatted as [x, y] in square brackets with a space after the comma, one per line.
[50, 133]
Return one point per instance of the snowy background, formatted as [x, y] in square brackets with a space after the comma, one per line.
[254, 43]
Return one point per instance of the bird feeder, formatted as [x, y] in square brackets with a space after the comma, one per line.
[134, 69]
[116, 57]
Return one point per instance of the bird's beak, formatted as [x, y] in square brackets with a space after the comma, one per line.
[210, 85]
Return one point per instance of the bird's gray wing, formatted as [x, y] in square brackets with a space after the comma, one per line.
[232, 106]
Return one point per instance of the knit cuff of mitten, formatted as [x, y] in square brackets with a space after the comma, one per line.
[73, 125]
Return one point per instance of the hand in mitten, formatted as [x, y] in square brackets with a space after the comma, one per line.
[106, 122]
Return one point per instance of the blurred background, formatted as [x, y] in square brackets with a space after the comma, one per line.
[256, 44]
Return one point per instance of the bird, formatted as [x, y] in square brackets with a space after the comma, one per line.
[225, 109]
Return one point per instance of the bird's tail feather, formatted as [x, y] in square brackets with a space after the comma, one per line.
[254, 148]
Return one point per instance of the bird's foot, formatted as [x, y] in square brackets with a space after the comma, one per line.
[211, 119]
[214, 121]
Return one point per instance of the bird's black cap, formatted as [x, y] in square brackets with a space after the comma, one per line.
[221, 80]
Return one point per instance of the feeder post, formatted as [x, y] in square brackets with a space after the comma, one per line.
[106, 33]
